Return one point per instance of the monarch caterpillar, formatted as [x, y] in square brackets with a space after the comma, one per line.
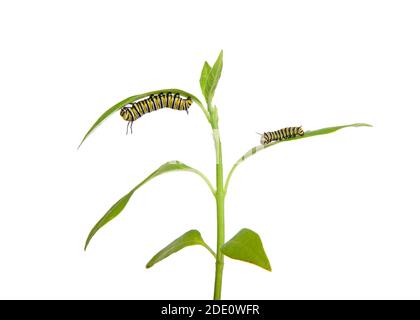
[153, 103]
[282, 134]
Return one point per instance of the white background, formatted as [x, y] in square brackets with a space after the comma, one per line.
[338, 214]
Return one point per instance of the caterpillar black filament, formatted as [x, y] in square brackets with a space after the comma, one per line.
[282, 134]
[153, 103]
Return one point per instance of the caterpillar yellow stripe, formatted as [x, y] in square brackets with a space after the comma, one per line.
[155, 102]
[282, 134]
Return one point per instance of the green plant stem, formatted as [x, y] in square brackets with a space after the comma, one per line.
[206, 180]
[220, 201]
[220, 204]
[209, 249]
[230, 174]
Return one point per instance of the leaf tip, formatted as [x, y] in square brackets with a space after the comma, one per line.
[220, 57]
[83, 140]
[90, 236]
[86, 245]
[361, 125]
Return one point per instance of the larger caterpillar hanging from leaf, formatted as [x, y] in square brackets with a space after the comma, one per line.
[282, 134]
[153, 103]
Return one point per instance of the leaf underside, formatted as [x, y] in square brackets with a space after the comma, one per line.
[190, 238]
[131, 99]
[119, 206]
[247, 246]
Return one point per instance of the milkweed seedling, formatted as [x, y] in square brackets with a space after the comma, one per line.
[246, 245]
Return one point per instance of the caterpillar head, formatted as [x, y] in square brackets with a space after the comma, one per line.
[189, 102]
[300, 131]
[264, 139]
[124, 113]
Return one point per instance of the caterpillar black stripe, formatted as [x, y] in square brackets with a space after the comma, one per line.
[282, 134]
[154, 102]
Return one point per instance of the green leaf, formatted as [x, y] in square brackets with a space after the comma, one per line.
[190, 238]
[131, 99]
[203, 79]
[332, 129]
[314, 133]
[308, 134]
[246, 246]
[119, 206]
[213, 79]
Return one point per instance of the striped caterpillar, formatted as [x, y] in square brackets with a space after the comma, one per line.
[282, 134]
[153, 103]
